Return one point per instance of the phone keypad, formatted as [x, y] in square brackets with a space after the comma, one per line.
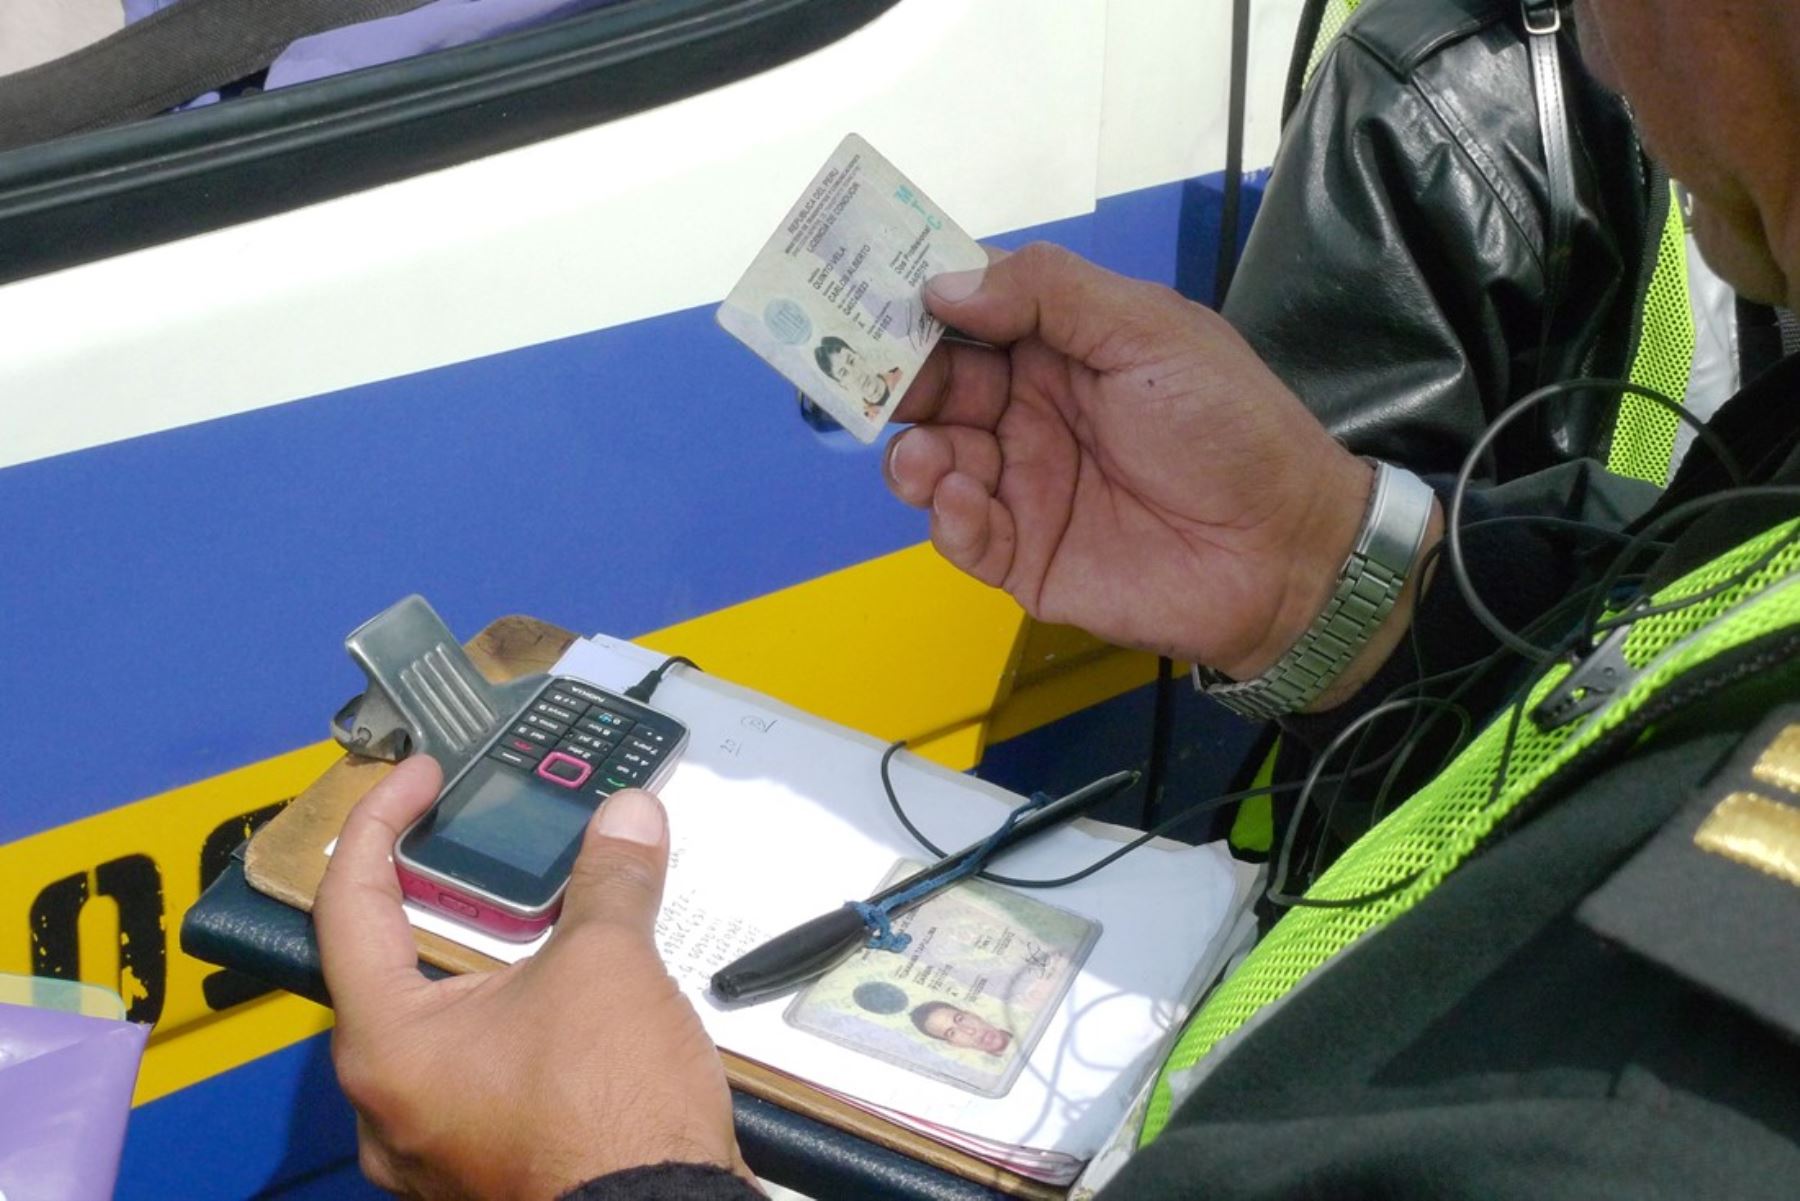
[603, 733]
[547, 724]
[511, 757]
[581, 738]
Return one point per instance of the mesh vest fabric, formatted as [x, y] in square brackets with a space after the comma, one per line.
[1253, 829]
[1331, 23]
[1428, 836]
[1643, 441]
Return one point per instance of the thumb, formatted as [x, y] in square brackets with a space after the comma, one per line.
[618, 877]
[1043, 290]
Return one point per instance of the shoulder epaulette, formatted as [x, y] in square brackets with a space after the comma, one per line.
[1715, 896]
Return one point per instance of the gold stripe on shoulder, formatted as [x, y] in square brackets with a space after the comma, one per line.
[1780, 763]
[1756, 832]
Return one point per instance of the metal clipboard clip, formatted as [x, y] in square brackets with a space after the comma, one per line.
[424, 693]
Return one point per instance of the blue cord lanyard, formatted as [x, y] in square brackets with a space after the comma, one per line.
[878, 915]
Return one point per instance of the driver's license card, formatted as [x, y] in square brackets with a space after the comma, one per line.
[835, 301]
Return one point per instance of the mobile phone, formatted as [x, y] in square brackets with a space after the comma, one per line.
[495, 849]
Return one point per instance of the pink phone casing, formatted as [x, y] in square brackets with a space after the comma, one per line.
[482, 914]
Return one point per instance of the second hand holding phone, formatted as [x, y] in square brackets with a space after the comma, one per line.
[496, 848]
[527, 761]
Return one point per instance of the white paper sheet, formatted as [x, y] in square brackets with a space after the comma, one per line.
[777, 816]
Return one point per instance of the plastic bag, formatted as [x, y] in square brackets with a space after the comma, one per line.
[68, 1064]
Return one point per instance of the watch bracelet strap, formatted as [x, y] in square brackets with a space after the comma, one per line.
[1368, 585]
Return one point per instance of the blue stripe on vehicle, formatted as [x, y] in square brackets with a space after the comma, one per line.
[174, 605]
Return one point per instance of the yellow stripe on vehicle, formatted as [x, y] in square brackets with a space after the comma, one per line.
[902, 646]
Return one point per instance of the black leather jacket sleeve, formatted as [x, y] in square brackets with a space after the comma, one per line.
[666, 1182]
[1395, 277]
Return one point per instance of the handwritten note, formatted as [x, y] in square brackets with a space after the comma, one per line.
[697, 941]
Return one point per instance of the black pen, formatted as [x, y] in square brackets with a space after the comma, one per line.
[811, 948]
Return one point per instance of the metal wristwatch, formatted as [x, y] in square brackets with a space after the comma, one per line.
[1369, 583]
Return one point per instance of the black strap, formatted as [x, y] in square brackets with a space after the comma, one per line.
[169, 57]
[1543, 21]
[1232, 200]
[1759, 340]
[1765, 336]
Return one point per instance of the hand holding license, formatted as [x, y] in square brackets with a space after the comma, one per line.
[835, 301]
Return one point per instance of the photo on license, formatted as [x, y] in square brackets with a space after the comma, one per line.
[967, 999]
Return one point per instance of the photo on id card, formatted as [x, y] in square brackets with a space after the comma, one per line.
[967, 1000]
[835, 301]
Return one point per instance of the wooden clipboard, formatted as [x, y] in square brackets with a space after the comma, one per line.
[286, 860]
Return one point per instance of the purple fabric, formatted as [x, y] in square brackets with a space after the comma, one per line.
[137, 10]
[436, 26]
[65, 1092]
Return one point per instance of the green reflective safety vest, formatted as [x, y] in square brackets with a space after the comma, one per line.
[1643, 440]
[1419, 844]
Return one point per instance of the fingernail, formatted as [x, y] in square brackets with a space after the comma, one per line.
[954, 287]
[887, 458]
[632, 816]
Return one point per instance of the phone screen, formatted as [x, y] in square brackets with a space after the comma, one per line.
[514, 821]
[509, 827]
[503, 832]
